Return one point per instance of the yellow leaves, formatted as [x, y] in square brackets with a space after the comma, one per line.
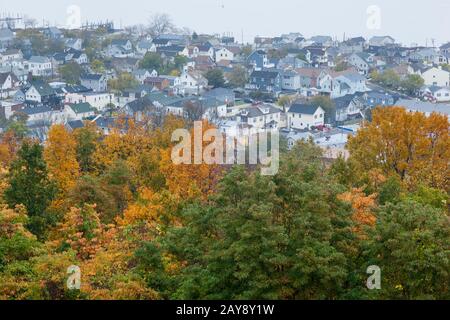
[189, 181]
[12, 221]
[151, 208]
[60, 156]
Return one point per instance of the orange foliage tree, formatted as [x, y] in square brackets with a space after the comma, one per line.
[412, 146]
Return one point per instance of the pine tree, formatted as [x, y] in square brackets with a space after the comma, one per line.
[30, 186]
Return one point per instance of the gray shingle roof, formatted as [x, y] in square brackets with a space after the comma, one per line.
[303, 108]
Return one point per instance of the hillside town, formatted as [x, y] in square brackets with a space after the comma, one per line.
[316, 87]
[136, 163]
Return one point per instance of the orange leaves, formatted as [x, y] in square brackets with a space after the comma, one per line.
[83, 232]
[412, 146]
[362, 206]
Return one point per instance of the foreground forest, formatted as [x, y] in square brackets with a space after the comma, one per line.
[140, 227]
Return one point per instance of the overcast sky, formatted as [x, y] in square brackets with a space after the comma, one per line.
[408, 21]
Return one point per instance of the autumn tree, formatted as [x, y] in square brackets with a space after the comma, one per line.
[412, 146]
[60, 155]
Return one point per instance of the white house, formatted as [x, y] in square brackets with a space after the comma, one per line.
[142, 74]
[190, 82]
[76, 44]
[8, 84]
[436, 94]
[361, 61]
[145, 46]
[381, 41]
[39, 91]
[98, 100]
[224, 54]
[96, 82]
[11, 58]
[436, 77]
[303, 116]
[291, 81]
[263, 116]
[79, 111]
[39, 66]
[120, 49]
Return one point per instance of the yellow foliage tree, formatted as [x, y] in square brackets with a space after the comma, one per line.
[61, 157]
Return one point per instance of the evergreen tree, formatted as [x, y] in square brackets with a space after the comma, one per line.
[30, 186]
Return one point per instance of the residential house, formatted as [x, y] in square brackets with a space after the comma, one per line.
[206, 50]
[428, 56]
[160, 83]
[348, 107]
[39, 66]
[99, 100]
[95, 82]
[305, 116]
[291, 80]
[142, 74]
[226, 96]
[309, 77]
[445, 49]
[9, 84]
[436, 93]
[120, 48]
[318, 55]
[6, 37]
[53, 33]
[203, 63]
[40, 92]
[264, 116]
[140, 108]
[426, 108]
[375, 98]
[353, 45]
[11, 58]
[381, 41]
[224, 54]
[74, 43]
[325, 41]
[125, 64]
[79, 111]
[131, 94]
[190, 82]
[291, 63]
[436, 76]
[78, 57]
[362, 61]
[269, 80]
[258, 60]
[145, 46]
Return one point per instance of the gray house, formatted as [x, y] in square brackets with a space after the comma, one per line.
[96, 82]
